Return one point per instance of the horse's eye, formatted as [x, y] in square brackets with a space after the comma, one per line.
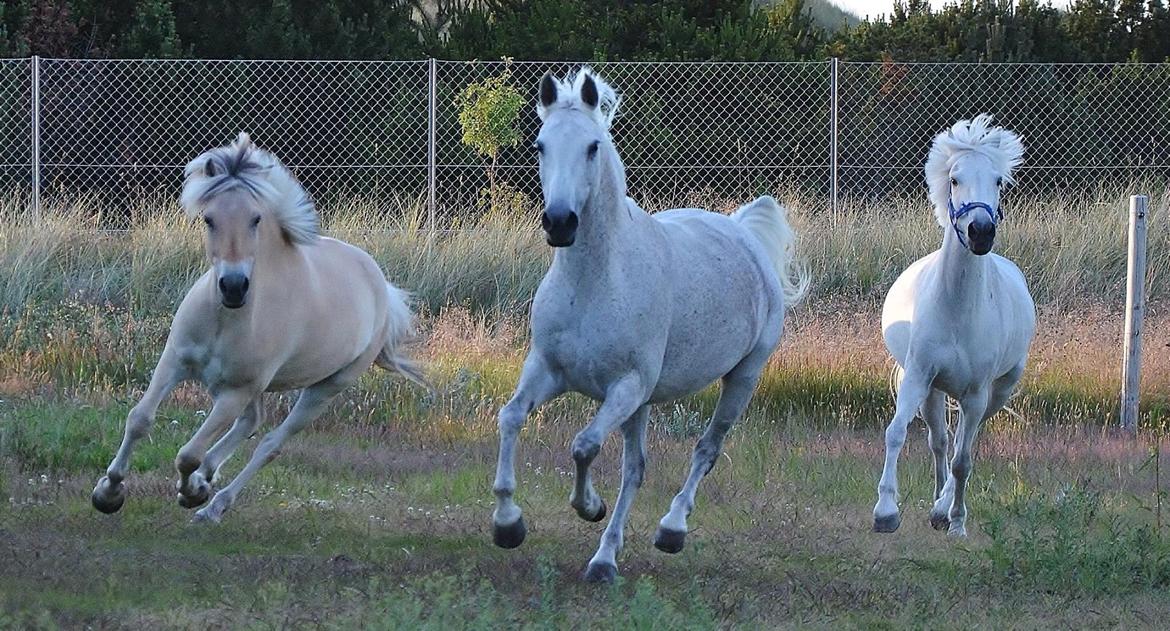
[593, 149]
[209, 222]
[256, 221]
[999, 182]
[538, 146]
[954, 182]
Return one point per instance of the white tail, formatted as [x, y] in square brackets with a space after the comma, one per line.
[401, 332]
[768, 221]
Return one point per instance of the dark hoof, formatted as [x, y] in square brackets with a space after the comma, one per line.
[887, 523]
[510, 536]
[600, 573]
[939, 522]
[109, 502]
[669, 541]
[194, 502]
[599, 516]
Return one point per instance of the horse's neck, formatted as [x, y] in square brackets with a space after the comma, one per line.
[608, 225]
[962, 276]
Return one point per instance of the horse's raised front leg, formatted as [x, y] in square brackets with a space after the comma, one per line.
[245, 425]
[738, 387]
[934, 412]
[622, 399]
[229, 404]
[537, 385]
[603, 566]
[110, 492]
[911, 395]
[309, 406]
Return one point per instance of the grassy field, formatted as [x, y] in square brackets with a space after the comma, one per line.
[379, 515]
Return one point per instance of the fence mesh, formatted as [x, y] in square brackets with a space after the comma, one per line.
[1085, 126]
[712, 134]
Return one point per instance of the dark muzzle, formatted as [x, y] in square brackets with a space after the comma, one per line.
[560, 227]
[232, 290]
[980, 236]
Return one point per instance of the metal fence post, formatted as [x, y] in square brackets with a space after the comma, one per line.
[833, 133]
[36, 137]
[1134, 309]
[431, 120]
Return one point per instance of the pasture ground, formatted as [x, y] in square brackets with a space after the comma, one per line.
[379, 516]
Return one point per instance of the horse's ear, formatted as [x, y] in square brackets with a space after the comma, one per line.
[209, 169]
[589, 91]
[548, 90]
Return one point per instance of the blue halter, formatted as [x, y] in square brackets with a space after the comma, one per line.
[958, 213]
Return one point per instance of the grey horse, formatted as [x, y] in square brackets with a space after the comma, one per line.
[636, 310]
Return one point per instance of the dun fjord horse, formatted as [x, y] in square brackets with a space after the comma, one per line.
[958, 321]
[280, 308]
[636, 310]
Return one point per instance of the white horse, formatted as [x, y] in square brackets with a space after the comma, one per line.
[958, 321]
[280, 308]
[638, 309]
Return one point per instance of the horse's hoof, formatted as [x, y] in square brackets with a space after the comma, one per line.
[194, 501]
[109, 499]
[669, 541]
[957, 531]
[939, 521]
[887, 523]
[509, 536]
[600, 573]
[600, 514]
[205, 517]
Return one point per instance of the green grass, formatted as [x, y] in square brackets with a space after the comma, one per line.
[378, 515]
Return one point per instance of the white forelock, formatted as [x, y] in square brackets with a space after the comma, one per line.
[244, 166]
[1003, 147]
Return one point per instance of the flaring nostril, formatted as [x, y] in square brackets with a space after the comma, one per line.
[545, 222]
[222, 285]
[244, 285]
[572, 221]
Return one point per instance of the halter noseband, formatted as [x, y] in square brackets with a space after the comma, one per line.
[958, 213]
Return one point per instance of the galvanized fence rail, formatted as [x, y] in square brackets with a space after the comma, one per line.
[115, 132]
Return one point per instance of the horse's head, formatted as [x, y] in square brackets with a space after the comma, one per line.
[248, 201]
[967, 169]
[576, 112]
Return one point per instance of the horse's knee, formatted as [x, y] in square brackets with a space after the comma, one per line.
[137, 424]
[585, 447]
[895, 435]
[511, 419]
[187, 462]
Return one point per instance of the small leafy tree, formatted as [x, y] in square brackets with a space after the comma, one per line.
[488, 111]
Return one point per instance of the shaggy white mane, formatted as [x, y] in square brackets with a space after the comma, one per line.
[1003, 147]
[244, 166]
[569, 98]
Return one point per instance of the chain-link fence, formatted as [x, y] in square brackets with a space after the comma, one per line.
[116, 132]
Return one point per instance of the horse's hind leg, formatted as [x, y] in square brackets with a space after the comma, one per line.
[976, 409]
[603, 567]
[934, 412]
[738, 387]
[244, 426]
[308, 407]
[537, 385]
[110, 492]
[229, 404]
